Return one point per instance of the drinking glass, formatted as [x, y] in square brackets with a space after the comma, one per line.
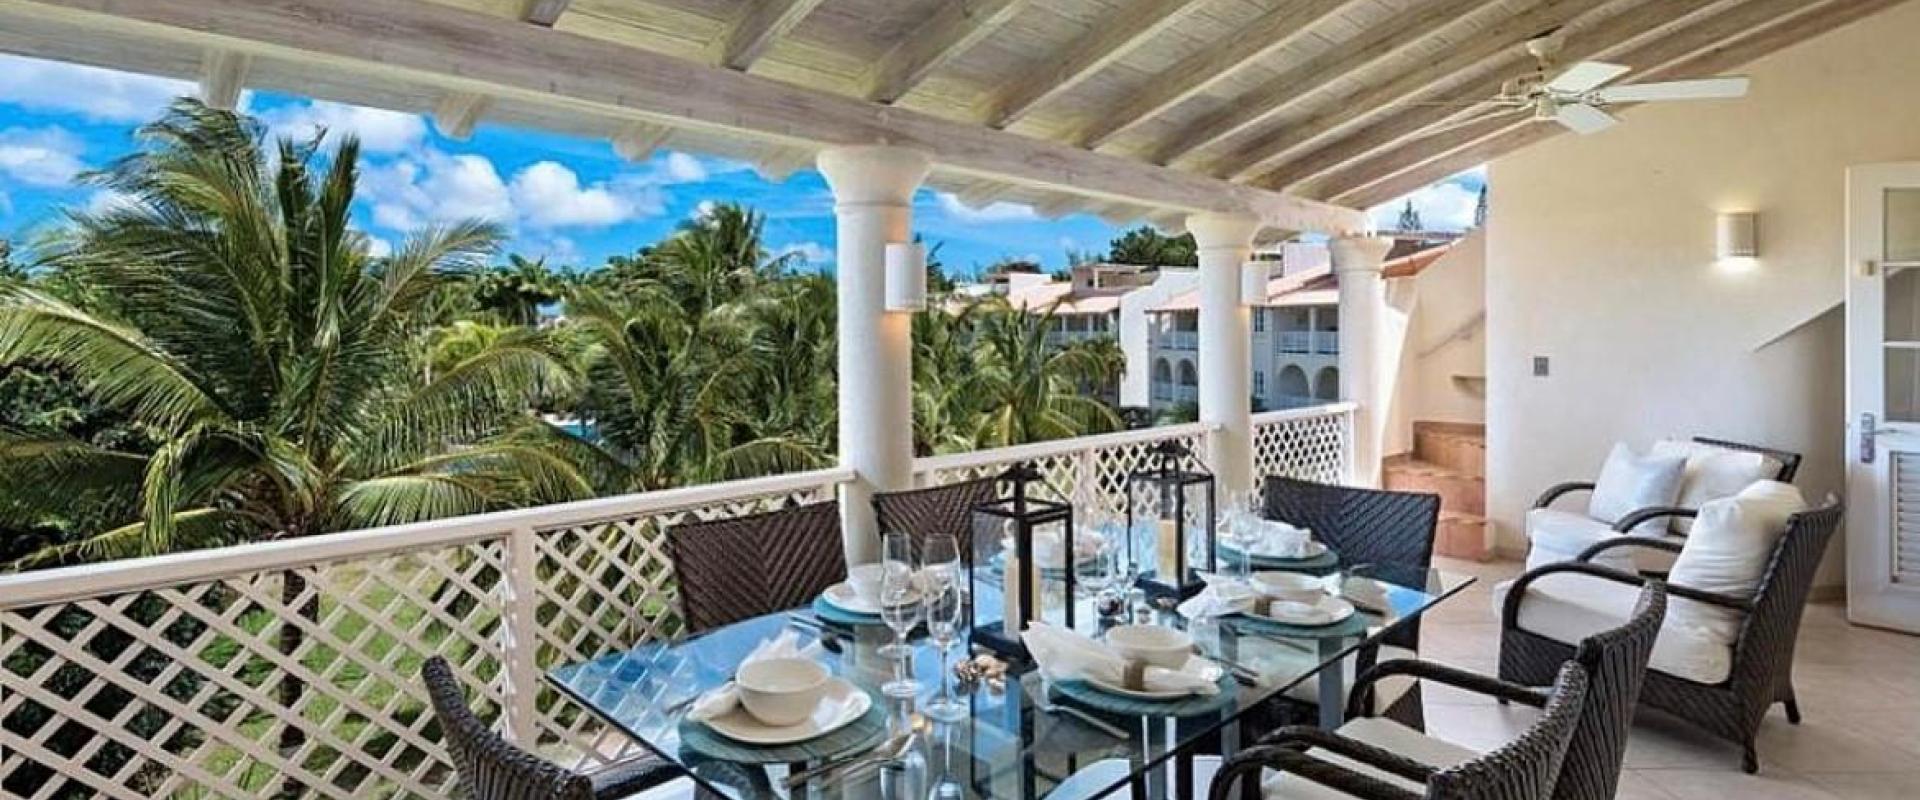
[1237, 529]
[943, 627]
[896, 562]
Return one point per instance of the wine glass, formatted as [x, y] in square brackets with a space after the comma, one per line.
[900, 606]
[1238, 530]
[943, 627]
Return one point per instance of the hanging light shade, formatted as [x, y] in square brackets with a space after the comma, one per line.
[906, 276]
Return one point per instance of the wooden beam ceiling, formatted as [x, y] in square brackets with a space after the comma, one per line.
[1499, 41]
[1105, 43]
[1290, 88]
[544, 13]
[1194, 74]
[468, 54]
[1807, 20]
[760, 24]
[956, 27]
[1408, 124]
[223, 76]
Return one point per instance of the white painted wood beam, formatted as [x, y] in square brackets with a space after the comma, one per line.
[956, 27]
[781, 163]
[759, 25]
[223, 76]
[1287, 89]
[421, 44]
[1196, 73]
[637, 141]
[1111, 38]
[1500, 42]
[1813, 19]
[457, 113]
[544, 13]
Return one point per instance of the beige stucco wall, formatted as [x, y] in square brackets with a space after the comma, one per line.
[1445, 337]
[1600, 256]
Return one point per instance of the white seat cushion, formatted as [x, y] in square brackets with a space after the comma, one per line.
[1569, 607]
[1713, 472]
[1729, 549]
[1385, 692]
[1629, 482]
[1558, 536]
[1382, 733]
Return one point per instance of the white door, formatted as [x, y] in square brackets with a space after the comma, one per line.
[1883, 395]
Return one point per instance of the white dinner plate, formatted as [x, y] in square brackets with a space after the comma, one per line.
[842, 596]
[840, 705]
[1339, 610]
[1212, 670]
[1313, 550]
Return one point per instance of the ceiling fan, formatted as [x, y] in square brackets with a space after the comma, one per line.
[1577, 97]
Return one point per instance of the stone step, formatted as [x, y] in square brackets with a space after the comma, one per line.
[1462, 536]
[1458, 491]
[1458, 446]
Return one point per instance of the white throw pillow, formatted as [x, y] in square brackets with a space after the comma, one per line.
[1630, 482]
[1713, 472]
[1728, 551]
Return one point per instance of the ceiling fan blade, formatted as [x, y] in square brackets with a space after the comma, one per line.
[1585, 76]
[1703, 89]
[1584, 119]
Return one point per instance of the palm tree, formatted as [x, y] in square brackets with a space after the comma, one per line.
[239, 318]
[514, 292]
[988, 378]
[1147, 247]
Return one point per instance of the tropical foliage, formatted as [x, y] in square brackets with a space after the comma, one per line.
[1147, 247]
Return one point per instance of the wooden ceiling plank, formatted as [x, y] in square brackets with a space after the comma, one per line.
[457, 113]
[1500, 41]
[1108, 41]
[545, 13]
[223, 76]
[434, 47]
[638, 141]
[760, 24]
[1409, 125]
[1200, 71]
[1287, 89]
[951, 31]
[1810, 21]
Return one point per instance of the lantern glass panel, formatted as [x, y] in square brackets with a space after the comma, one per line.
[1171, 521]
[1031, 538]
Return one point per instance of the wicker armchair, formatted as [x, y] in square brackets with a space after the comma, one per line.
[940, 509]
[487, 767]
[735, 569]
[1761, 657]
[1390, 532]
[1524, 769]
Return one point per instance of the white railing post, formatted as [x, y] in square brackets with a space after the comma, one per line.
[521, 641]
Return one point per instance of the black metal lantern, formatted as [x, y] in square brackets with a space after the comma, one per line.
[1010, 589]
[1173, 507]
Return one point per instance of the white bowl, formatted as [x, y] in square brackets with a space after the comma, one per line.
[781, 691]
[1156, 645]
[1290, 586]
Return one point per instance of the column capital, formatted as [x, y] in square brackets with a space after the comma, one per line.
[1222, 229]
[1359, 253]
[873, 174]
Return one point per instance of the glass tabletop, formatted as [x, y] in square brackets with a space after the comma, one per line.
[1020, 738]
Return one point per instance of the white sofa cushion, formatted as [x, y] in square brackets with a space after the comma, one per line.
[1713, 472]
[1379, 732]
[1728, 551]
[1629, 482]
[1554, 536]
[1569, 607]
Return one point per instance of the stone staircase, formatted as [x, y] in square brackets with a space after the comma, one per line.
[1449, 459]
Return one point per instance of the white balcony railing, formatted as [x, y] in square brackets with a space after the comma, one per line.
[292, 667]
[1180, 340]
[1296, 341]
[1326, 342]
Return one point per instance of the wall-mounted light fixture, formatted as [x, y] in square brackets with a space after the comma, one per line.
[1737, 235]
[906, 276]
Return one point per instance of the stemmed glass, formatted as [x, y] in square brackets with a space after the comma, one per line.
[900, 602]
[943, 618]
[1237, 529]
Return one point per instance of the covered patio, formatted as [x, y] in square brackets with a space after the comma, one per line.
[288, 668]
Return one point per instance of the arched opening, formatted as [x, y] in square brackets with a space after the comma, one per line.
[1188, 377]
[1326, 385]
[1162, 371]
[1293, 382]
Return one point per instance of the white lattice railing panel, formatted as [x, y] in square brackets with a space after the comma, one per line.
[1313, 443]
[301, 679]
[1090, 471]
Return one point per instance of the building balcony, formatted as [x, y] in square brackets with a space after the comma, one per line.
[1178, 340]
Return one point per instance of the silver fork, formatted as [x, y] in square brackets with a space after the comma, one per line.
[879, 757]
[885, 749]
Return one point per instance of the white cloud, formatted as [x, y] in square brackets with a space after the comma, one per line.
[703, 209]
[679, 167]
[100, 95]
[378, 247]
[810, 252]
[105, 201]
[1444, 206]
[380, 130]
[992, 212]
[559, 251]
[549, 195]
[410, 193]
[40, 156]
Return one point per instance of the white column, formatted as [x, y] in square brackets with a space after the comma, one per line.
[1363, 305]
[1226, 351]
[873, 190]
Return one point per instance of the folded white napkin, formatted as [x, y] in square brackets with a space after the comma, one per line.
[1064, 654]
[724, 698]
[1227, 595]
[1275, 539]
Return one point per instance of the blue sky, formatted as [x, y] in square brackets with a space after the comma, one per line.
[568, 199]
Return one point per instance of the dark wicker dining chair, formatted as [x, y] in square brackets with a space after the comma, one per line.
[939, 509]
[488, 767]
[1523, 769]
[1616, 665]
[734, 569]
[1762, 656]
[1391, 532]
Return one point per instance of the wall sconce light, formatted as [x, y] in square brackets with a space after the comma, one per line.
[1253, 283]
[1736, 235]
[906, 276]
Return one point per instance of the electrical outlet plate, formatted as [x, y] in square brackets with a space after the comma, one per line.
[1540, 367]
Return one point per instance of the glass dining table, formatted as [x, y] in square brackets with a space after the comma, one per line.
[1021, 738]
